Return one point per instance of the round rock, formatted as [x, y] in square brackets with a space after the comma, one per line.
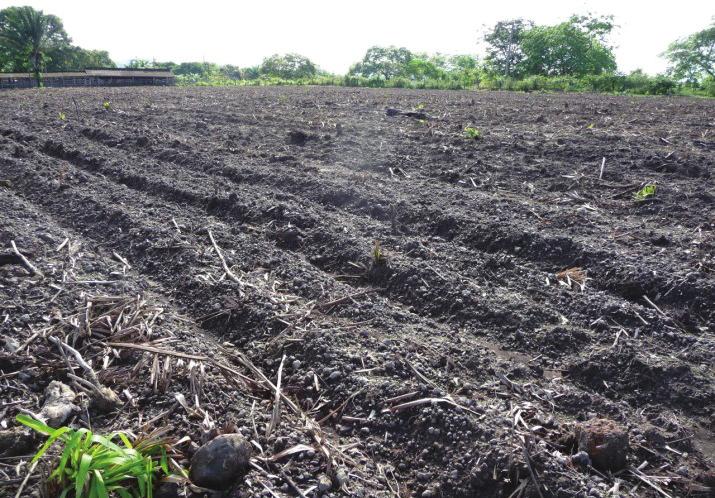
[220, 462]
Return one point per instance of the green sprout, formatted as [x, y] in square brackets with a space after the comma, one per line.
[419, 107]
[472, 133]
[107, 104]
[94, 466]
[590, 127]
[62, 116]
[378, 256]
[646, 192]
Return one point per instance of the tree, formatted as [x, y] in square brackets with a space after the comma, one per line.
[164, 65]
[693, 57]
[140, 64]
[504, 54]
[288, 66]
[28, 35]
[72, 57]
[383, 62]
[576, 47]
[425, 67]
[231, 72]
[462, 63]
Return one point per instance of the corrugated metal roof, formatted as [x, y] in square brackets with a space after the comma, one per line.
[44, 75]
[129, 74]
[93, 72]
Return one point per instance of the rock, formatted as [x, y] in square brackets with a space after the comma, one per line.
[220, 462]
[297, 137]
[324, 483]
[605, 441]
[59, 404]
[655, 438]
[580, 458]
[104, 399]
[16, 441]
[10, 344]
[340, 478]
[168, 490]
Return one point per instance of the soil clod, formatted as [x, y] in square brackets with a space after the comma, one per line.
[220, 462]
[605, 442]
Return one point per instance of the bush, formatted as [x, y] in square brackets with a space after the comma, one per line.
[635, 83]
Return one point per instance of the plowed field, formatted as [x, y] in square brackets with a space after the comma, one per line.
[446, 310]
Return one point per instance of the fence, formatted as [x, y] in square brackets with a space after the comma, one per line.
[91, 77]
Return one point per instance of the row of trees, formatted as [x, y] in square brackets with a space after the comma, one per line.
[31, 41]
[518, 48]
[287, 66]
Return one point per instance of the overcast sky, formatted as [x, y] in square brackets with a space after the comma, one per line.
[335, 34]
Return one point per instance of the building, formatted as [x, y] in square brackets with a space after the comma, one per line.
[92, 77]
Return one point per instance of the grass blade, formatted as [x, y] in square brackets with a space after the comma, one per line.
[82, 474]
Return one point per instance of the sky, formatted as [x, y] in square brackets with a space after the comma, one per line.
[335, 34]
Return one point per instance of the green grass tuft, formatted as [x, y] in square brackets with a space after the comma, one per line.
[472, 133]
[95, 466]
[646, 192]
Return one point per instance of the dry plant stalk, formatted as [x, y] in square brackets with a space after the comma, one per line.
[572, 276]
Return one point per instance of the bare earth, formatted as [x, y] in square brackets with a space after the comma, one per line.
[518, 294]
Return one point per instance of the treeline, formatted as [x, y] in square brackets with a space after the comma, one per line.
[34, 42]
[574, 55]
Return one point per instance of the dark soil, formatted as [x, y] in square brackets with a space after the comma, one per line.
[516, 295]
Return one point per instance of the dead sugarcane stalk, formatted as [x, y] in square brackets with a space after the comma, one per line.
[103, 397]
[226, 269]
[25, 262]
[276, 416]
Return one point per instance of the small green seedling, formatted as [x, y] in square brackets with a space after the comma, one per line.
[378, 256]
[97, 466]
[645, 193]
[590, 127]
[62, 116]
[107, 105]
[472, 133]
[419, 107]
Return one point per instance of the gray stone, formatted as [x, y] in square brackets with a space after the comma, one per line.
[59, 404]
[16, 441]
[220, 462]
[324, 483]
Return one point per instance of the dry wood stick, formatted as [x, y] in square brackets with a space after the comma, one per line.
[27, 477]
[276, 416]
[527, 458]
[78, 358]
[152, 349]
[228, 271]
[25, 262]
[345, 298]
[655, 306]
[122, 260]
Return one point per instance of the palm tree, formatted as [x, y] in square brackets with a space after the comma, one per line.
[29, 33]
